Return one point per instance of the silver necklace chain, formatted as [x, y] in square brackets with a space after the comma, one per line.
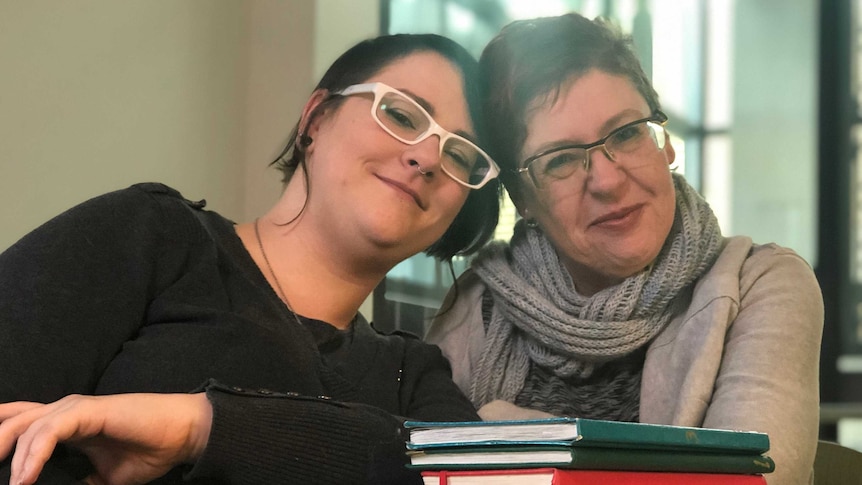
[272, 273]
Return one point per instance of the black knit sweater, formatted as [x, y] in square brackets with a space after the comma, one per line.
[141, 290]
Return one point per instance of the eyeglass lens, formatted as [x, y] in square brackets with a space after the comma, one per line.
[628, 146]
[403, 119]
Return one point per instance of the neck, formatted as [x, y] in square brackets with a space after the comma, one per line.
[315, 278]
[588, 282]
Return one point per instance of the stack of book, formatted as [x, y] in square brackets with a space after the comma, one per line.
[573, 451]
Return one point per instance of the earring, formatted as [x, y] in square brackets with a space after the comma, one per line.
[304, 141]
[531, 223]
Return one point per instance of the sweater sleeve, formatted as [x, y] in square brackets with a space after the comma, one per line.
[259, 436]
[768, 379]
[72, 291]
[262, 437]
[433, 396]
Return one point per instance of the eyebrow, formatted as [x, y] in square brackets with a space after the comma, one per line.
[611, 124]
[616, 121]
[419, 100]
[430, 109]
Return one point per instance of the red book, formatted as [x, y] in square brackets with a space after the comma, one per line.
[557, 476]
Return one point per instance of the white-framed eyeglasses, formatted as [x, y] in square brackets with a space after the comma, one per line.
[408, 122]
[628, 146]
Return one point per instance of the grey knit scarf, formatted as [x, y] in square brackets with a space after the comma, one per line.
[538, 316]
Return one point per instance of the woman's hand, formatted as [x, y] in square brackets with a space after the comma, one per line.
[499, 410]
[129, 438]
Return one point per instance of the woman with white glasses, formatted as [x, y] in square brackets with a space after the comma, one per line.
[235, 353]
[618, 297]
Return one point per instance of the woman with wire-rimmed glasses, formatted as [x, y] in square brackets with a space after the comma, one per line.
[618, 297]
[235, 353]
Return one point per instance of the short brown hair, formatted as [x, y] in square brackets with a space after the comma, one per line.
[533, 58]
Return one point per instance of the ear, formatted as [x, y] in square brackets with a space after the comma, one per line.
[519, 200]
[668, 149]
[307, 124]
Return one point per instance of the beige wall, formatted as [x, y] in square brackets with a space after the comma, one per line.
[280, 59]
[291, 43]
[96, 95]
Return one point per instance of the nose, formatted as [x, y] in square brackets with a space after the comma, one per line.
[423, 172]
[424, 156]
[603, 173]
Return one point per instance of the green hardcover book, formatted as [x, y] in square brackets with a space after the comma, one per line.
[579, 432]
[538, 456]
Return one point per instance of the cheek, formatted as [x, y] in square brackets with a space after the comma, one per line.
[560, 208]
[665, 210]
[455, 199]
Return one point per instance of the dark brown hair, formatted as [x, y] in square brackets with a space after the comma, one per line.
[475, 223]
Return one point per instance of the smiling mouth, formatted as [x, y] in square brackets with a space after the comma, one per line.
[616, 216]
[404, 188]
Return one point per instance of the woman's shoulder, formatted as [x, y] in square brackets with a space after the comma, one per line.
[134, 214]
[750, 261]
[136, 200]
[778, 277]
[156, 196]
[463, 297]
[774, 254]
[460, 310]
[774, 261]
[399, 345]
[396, 340]
[746, 273]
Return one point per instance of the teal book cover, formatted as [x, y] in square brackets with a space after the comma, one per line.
[533, 456]
[580, 432]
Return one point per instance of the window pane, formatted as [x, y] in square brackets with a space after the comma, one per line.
[856, 59]
[719, 64]
[717, 178]
[677, 48]
[856, 209]
[774, 152]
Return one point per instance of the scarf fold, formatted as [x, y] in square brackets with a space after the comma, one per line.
[538, 316]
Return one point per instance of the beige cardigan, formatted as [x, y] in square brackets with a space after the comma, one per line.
[744, 355]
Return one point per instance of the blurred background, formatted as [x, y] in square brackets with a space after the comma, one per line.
[763, 99]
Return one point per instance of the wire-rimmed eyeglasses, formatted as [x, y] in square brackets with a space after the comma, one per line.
[627, 146]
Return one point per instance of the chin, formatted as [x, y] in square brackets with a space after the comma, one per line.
[630, 262]
[396, 243]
